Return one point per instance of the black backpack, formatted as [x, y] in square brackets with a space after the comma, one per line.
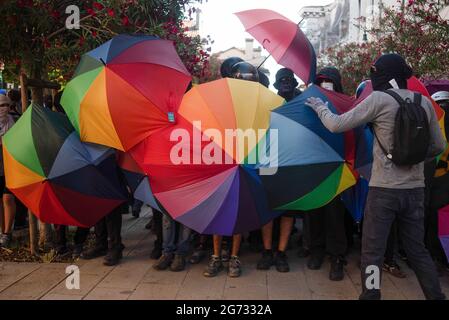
[411, 133]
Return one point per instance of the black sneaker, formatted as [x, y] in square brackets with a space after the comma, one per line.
[213, 267]
[315, 261]
[266, 261]
[113, 257]
[93, 253]
[178, 264]
[336, 273]
[394, 269]
[156, 253]
[197, 256]
[281, 262]
[164, 261]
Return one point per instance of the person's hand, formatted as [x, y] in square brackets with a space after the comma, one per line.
[315, 103]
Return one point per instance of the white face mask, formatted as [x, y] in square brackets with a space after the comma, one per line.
[327, 86]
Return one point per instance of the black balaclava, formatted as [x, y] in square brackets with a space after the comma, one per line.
[387, 67]
[332, 74]
[286, 84]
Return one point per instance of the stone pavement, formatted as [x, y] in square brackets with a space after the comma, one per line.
[135, 279]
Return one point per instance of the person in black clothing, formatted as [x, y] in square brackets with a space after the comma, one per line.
[286, 84]
[326, 225]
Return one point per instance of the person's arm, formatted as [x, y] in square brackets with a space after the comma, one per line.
[364, 112]
[437, 142]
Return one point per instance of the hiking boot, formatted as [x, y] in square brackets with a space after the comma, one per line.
[164, 261]
[281, 262]
[113, 257]
[266, 261]
[156, 253]
[315, 261]
[178, 264]
[394, 269]
[213, 267]
[198, 255]
[234, 269]
[93, 253]
[336, 273]
[303, 252]
[5, 240]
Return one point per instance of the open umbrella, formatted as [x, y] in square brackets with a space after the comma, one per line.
[136, 179]
[201, 171]
[125, 89]
[59, 178]
[314, 165]
[283, 39]
[443, 229]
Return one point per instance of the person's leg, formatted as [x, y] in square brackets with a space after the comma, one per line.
[234, 263]
[100, 247]
[79, 240]
[281, 258]
[316, 219]
[60, 238]
[411, 230]
[336, 238]
[9, 204]
[267, 259]
[114, 229]
[200, 251]
[381, 208]
[168, 243]
[215, 264]
[182, 248]
[136, 207]
[390, 264]
[157, 230]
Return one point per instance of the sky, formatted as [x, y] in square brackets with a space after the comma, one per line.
[218, 21]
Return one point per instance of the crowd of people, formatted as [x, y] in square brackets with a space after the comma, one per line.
[401, 214]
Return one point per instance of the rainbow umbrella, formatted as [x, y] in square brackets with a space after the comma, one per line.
[202, 172]
[59, 178]
[125, 90]
[443, 229]
[314, 165]
[136, 179]
[283, 39]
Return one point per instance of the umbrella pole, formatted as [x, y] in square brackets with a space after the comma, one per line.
[264, 60]
[32, 220]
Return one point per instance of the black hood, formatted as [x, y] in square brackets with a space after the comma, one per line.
[330, 73]
[388, 67]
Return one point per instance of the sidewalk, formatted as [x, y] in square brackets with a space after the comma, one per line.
[135, 279]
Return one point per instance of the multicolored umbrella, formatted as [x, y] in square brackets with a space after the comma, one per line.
[125, 90]
[202, 171]
[59, 178]
[354, 199]
[443, 229]
[283, 39]
[136, 179]
[314, 165]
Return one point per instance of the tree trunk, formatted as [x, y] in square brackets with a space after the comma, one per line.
[32, 220]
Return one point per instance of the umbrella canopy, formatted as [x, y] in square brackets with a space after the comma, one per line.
[283, 39]
[125, 89]
[354, 199]
[201, 171]
[59, 178]
[443, 229]
[136, 179]
[314, 165]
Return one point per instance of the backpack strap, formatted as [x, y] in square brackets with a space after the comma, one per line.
[395, 95]
[417, 98]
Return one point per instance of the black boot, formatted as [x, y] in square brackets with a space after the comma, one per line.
[113, 256]
[316, 260]
[337, 273]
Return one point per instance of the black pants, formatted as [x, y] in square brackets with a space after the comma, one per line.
[61, 236]
[391, 244]
[157, 228]
[439, 198]
[407, 207]
[326, 227]
[108, 230]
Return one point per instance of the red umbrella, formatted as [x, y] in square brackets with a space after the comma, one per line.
[283, 39]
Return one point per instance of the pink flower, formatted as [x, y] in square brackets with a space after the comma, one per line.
[98, 6]
[125, 21]
[110, 12]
